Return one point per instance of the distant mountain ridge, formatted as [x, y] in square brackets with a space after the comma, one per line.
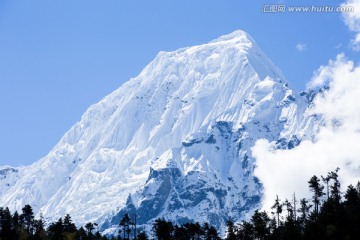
[173, 142]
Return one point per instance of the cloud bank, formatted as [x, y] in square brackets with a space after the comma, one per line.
[284, 172]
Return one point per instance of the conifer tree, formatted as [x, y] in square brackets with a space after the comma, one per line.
[39, 227]
[162, 229]
[27, 219]
[278, 209]
[125, 224]
[230, 230]
[304, 210]
[245, 231]
[289, 208]
[6, 223]
[209, 232]
[69, 226]
[56, 230]
[89, 228]
[317, 189]
[16, 225]
[335, 187]
[261, 221]
[326, 180]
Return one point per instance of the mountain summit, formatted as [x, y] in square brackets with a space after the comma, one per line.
[173, 142]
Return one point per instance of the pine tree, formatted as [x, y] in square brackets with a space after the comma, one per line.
[134, 225]
[56, 230]
[352, 212]
[209, 232]
[278, 209]
[39, 227]
[69, 226]
[230, 232]
[27, 219]
[291, 230]
[326, 180]
[6, 224]
[81, 234]
[335, 187]
[125, 224]
[16, 225]
[180, 233]
[304, 211]
[89, 228]
[261, 222]
[245, 231]
[162, 229]
[317, 189]
[289, 208]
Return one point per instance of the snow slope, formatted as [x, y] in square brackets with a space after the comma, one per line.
[174, 141]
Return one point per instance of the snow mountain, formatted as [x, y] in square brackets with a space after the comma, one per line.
[173, 142]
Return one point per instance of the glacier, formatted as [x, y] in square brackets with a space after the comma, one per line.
[173, 142]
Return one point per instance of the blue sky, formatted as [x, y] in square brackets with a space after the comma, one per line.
[59, 57]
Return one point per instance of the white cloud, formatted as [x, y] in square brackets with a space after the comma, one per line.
[284, 171]
[326, 73]
[355, 42]
[301, 47]
[352, 20]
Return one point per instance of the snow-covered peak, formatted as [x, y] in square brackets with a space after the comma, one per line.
[239, 38]
[186, 122]
[236, 46]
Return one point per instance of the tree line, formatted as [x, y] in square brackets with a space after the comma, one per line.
[328, 215]
[24, 226]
